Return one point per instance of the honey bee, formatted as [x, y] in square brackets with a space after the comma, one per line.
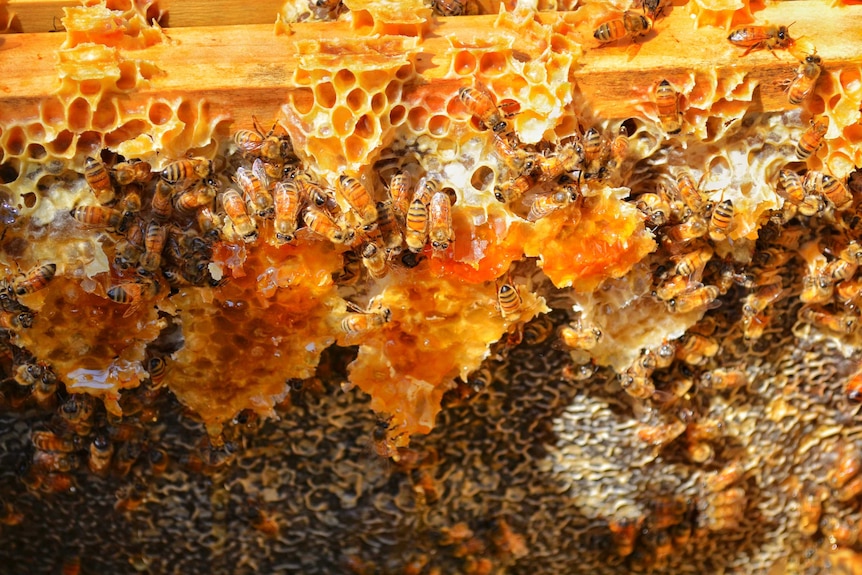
[449, 7]
[98, 216]
[55, 461]
[694, 227]
[101, 452]
[287, 204]
[696, 348]
[261, 520]
[792, 184]
[853, 387]
[400, 190]
[630, 24]
[99, 179]
[693, 262]
[508, 300]
[655, 207]
[625, 533]
[130, 497]
[721, 480]
[726, 509]
[416, 226]
[840, 270]
[812, 205]
[810, 510]
[359, 199]
[620, 147]
[132, 172]
[154, 243]
[440, 222]
[208, 222]
[659, 435]
[666, 511]
[806, 78]
[388, 227]
[77, 412]
[186, 170]
[480, 104]
[158, 459]
[129, 206]
[48, 441]
[850, 491]
[161, 204]
[269, 146]
[321, 224]
[126, 456]
[719, 223]
[514, 188]
[721, 379]
[830, 188]
[362, 321]
[759, 37]
[259, 199]
[667, 106]
[812, 138]
[699, 298]
[816, 288]
[188, 201]
[761, 298]
[564, 160]
[840, 532]
[518, 160]
[133, 294]
[546, 204]
[578, 335]
[238, 215]
[847, 466]
[34, 280]
[845, 322]
[45, 390]
[374, 260]
[637, 383]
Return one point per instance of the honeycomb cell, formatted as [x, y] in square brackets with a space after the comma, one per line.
[374, 80]
[16, 141]
[366, 126]
[853, 133]
[120, 5]
[343, 121]
[357, 99]
[482, 178]
[29, 200]
[325, 95]
[464, 63]
[9, 171]
[105, 116]
[493, 64]
[438, 125]
[417, 118]
[397, 115]
[378, 103]
[36, 131]
[186, 113]
[160, 113]
[88, 142]
[128, 76]
[343, 81]
[302, 100]
[302, 77]
[128, 131]
[90, 87]
[52, 111]
[78, 115]
[393, 92]
[851, 79]
[355, 148]
[405, 72]
[36, 151]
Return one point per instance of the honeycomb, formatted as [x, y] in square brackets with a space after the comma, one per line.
[624, 338]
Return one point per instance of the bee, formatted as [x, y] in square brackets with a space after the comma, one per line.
[55, 461]
[847, 466]
[566, 159]
[840, 270]
[806, 78]
[449, 7]
[595, 153]
[388, 227]
[126, 456]
[830, 188]
[161, 204]
[321, 224]
[130, 497]
[48, 441]
[158, 460]
[133, 294]
[98, 216]
[727, 476]
[577, 335]
[440, 222]
[721, 379]
[625, 533]
[667, 107]
[259, 199]
[45, 390]
[845, 322]
[853, 387]
[238, 215]
[287, 204]
[840, 532]
[637, 383]
[759, 37]
[269, 146]
[719, 222]
[726, 509]
[507, 541]
[792, 184]
[514, 188]
[132, 172]
[850, 292]
[699, 298]
[208, 221]
[850, 491]
[186, 170]
[810, 510]
[546, 204]
[400, 189]
[761, 298]
[812, 138]
[630, 24]
[262, 521]
[696, 348]
[363, 321]
[666, 512]
[77, 412]
[693, 262]
[34, 280]
[620, 147]
[99, 179]
[694, 227]
[480, 104]
[416, 225]
[816, 288]
[154, 243]
[508, 299]
[520, 161]
[359, 199]
[374, 260]
[425, 190]
[101, 452]
[655, 208]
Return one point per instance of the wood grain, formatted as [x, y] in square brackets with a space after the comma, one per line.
[247, 70]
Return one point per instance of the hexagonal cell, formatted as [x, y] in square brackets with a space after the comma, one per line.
[78, 115]
[343, 121]
[89, 142]
[128, 131]
[128, 76]
[357, 100]
[343, 81]
[355, 148]
[302, 100]
[417, 118]
[464, 63]
[325, 95]
[160, 113]
[187, 113]
[16, 141]
[393, 92]
[90, 87]
[366, 126]
[36, 151]
[493, 64]
[9, 170]
[378, 103]
[105, 116]
[52, 111]
[374, 80]
[438, 125]
[397, 115]
[61, 143]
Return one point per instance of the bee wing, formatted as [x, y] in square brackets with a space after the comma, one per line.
[748, 37]
[258, 170]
